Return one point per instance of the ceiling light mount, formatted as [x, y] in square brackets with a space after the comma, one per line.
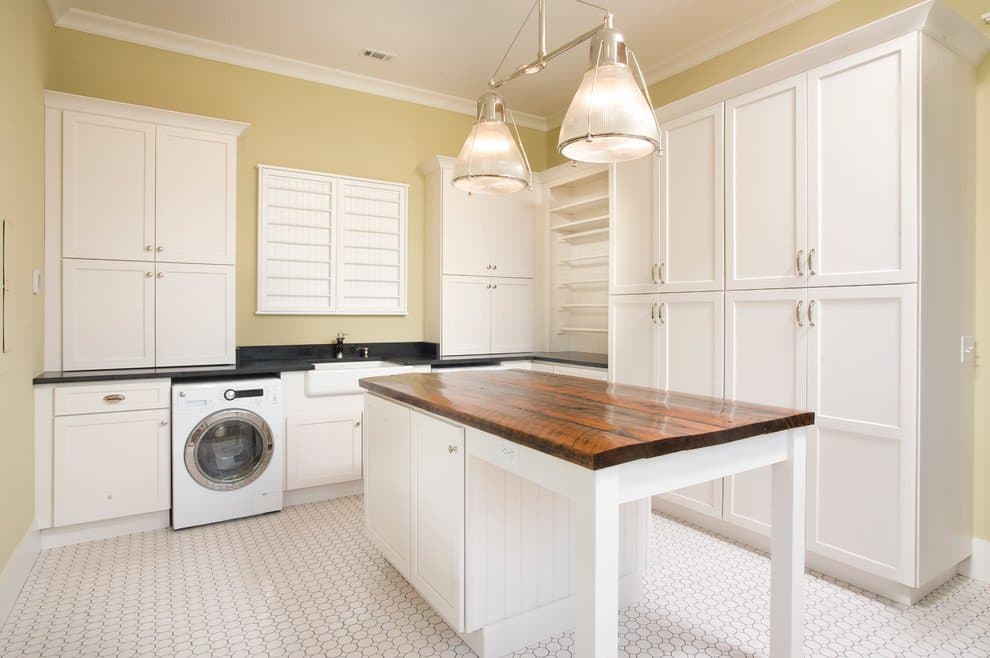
[610, 119]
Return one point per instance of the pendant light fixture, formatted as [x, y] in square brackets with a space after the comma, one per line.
[610, 118]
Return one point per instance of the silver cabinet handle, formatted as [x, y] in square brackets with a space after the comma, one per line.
[494, 286]
[653, 273]
[451, 449]
[811, 315]
[654, 310]
[660, 276]
[797, 313]
[811, 262]
[798, 261]
[488, 285]
[660, 316]
[114, 397]
[494, 267]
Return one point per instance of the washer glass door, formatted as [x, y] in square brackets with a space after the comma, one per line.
[229, 449]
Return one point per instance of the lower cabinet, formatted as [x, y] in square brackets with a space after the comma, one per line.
[486, 315]
[321, 451]
[109, 465]
[387, 493]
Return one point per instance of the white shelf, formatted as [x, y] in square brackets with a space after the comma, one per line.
[596, 222]
[587, 283]
[585, 234]
[585, 261]
[582, 204]
[581, 330]
[583, 307]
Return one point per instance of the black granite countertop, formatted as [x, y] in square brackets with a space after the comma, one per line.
[272, 360]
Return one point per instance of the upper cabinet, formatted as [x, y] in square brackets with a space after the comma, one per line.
[863, 167]
[108, 187]
[140, 226]
[765, 189]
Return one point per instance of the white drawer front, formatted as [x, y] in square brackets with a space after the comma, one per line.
[101, 397]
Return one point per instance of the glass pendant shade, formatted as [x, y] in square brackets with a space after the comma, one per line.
[609, 119]
[491, 162]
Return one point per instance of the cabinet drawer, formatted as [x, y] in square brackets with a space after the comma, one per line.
[112, 396]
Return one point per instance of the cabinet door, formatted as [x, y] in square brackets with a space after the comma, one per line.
[111, 465]
[465, 230]
[634, 238]
[195, 315]
[387, 479]
[321, 451]
[691, 361]
[513, 315]
[438, 515]
[692, 202]
[634, 340]
[862, 456]
[766, 187]
[108, 314]
[863, 167]
[512, 233]
[467, 315]
[766, 362]
[196, 199]
[108, 188]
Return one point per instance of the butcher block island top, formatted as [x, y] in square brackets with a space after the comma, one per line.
[590, 423]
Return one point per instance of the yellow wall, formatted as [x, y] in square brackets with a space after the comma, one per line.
[25, 47]
[293, 123]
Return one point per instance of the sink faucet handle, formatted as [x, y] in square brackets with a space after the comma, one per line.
[363, 352]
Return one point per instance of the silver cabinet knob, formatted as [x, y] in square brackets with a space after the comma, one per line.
[357, 423]
[451, 449]
[160, 249]
[494, 267]
[161, 275]
[149, 274]
[165, 423]
[147, 247]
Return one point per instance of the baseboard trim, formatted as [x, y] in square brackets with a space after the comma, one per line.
[978, 565]
[322, 493]
[84, 532]
[16, 573]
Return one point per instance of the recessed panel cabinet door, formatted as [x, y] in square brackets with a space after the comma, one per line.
[766, 186]
[512, 234]
[863, 167]
[766, 362]
[634, 240]
[467, 315]
[862, 453]
[194, 315]
[634, 340]
[387, 492]
[692, 203]
[691, 361]
[465, 230]
[108, 188]
[108, 314]
[196, 205]
[111, 465]
[321, 451]
[513, 314]
[438, 515]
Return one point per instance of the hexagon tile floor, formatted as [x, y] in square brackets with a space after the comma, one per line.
[306, 582]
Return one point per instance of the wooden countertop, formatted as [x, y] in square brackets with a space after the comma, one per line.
[587, 422]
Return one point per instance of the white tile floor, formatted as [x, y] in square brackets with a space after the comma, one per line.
[306, 582]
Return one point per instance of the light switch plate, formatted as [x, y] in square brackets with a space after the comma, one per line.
[967, 350]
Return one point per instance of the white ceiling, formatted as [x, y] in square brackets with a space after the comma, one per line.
[446, 47]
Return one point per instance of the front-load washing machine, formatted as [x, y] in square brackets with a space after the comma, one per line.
[228, 450]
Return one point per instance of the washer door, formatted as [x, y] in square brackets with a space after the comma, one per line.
[229, 449]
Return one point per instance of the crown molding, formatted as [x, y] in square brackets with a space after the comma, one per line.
[154, 37]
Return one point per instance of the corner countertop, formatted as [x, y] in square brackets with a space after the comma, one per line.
[270, 361]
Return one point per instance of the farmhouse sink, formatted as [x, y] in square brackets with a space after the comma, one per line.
[341, 377]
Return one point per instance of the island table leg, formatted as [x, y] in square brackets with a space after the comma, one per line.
[787, 552]
[597, 568]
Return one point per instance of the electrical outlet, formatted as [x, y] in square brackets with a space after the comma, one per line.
[967, 350]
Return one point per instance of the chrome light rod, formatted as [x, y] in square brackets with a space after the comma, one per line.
[542, 56]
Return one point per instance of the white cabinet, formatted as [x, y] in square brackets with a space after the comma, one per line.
[321, 451]
[863, 167]
[108, 314]
[109, 465]
[438, 514]
[196, 204]
[691, 202]
[766, 187]
[108, 187]
[863, 452]
[487, 315]
[634, 240]
[194, 308]
[387, 478]
[634, 340]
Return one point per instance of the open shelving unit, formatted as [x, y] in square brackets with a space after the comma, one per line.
[579, 233]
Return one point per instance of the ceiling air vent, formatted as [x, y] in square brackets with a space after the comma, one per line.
[378, 55]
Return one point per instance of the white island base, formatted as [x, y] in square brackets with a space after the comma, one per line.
[508, 562]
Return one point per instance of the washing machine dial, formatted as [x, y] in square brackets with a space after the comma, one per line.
[229, 394]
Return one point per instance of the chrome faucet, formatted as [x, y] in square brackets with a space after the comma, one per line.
[340, 344]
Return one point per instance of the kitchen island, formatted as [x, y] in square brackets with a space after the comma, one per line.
[515, 502]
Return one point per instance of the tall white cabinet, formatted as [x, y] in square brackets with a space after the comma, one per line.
[482, 267]
[833, 178]
[140, 236]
